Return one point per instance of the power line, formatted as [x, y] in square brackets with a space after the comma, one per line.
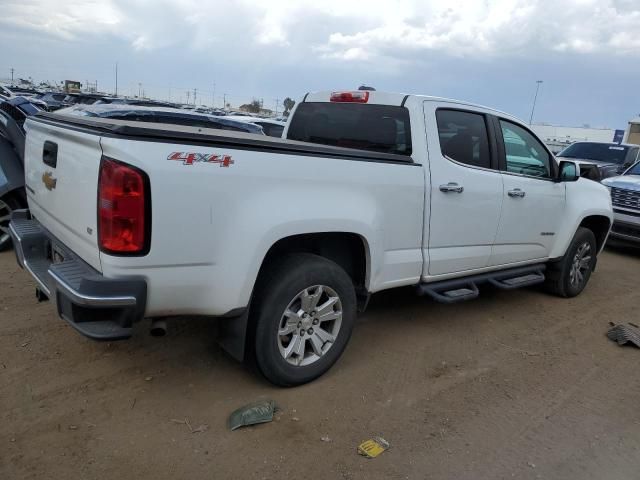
[533, 107]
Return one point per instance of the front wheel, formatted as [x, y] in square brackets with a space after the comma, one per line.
[569, 276]
[304, 312]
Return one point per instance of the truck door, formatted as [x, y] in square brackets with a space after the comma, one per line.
[532, 200]
[466, 188]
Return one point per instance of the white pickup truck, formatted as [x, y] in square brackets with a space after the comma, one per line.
[285, 239]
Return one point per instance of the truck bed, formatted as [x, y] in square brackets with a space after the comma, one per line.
[210, 137]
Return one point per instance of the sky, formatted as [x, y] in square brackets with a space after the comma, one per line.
[491, 52]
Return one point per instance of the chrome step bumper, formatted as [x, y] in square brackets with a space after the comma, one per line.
[98, 307]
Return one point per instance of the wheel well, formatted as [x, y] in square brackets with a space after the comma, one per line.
[599, 225]
[346, 249]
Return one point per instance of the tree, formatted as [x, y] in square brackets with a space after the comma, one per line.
[288, 105]
[255, 106]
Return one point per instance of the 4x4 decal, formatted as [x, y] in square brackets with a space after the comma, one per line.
[188, 158]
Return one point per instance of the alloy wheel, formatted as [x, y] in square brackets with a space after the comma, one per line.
[580, 265]
[310, 325]
[5, 218]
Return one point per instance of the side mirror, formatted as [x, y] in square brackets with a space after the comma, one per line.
[568, 172]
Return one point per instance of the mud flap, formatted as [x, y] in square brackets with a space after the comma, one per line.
[232, 334]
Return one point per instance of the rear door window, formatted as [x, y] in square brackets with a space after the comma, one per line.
[463, 137]
[378, 128]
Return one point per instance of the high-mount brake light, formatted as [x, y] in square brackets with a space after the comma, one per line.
[350, 97]
[123, 212]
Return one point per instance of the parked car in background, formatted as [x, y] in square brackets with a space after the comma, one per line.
[610, 158]
[13, 113]
[28, 93]
[53, 100]
[174, 116]
[625, 197]
[133, 101]
[271, 127]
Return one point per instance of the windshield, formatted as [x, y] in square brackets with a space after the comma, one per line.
[379, 128]
[635, 170]
[604, 152]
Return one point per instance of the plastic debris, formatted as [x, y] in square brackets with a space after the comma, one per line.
[629, 333]
[325, 438]
[252, 414]
[373, 447]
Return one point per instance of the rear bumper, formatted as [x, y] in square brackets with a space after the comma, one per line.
[98, 307]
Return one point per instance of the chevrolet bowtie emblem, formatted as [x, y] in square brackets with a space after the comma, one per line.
[49, 181]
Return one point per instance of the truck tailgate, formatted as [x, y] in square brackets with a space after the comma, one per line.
[61, 174]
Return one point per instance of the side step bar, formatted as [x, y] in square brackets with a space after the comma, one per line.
[461, 289]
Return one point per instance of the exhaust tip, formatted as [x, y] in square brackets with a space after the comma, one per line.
[158, 328]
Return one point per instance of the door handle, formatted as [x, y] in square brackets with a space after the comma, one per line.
[516, 193]
[451, 187]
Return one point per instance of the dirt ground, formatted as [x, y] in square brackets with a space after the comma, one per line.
[511, 385]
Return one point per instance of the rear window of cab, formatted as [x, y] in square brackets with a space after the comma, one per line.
[378, 128]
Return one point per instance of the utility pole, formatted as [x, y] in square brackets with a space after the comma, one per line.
[533, 107]
[195, 92]
[224, 101]
[139, 89]
[116, 79]
[12, 75]
[188, 93]
[277, 103]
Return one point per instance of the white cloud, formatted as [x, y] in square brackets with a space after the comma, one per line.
[364, 31]
[498, 28]
[65, 20]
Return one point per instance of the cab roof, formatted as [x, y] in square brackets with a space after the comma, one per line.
[375, 97]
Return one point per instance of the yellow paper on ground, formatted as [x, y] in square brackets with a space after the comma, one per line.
[373, 447]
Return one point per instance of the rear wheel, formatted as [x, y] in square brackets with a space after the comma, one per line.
[569, 276]
[8, 204]
[304, 312]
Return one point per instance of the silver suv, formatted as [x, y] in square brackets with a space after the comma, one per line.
[625, 197]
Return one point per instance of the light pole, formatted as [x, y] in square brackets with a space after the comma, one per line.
[533, 107]
[116, 79]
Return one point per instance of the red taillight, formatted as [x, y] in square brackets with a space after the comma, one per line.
[122, 213]
[353, 97]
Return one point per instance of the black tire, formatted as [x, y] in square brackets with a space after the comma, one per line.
[559, 274]
[8, 203]
[277, 288]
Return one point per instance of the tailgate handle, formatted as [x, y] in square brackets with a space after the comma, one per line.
[50, 154]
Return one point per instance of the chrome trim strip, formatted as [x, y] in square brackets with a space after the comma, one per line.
[91, 300]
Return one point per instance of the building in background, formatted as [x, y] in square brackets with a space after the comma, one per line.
[632, 133]
[558, 137]
[71, 86]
